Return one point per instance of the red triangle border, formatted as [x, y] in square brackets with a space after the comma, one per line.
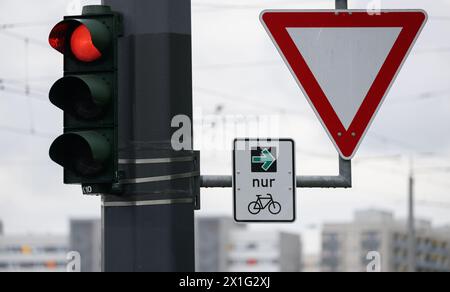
[346, 141]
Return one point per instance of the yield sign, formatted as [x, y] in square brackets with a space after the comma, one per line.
[345, 62]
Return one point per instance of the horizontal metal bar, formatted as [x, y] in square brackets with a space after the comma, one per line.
[148, 203]
[160, 178]
[216, 181]
[157, 160]
[343, 180]
[322, 182]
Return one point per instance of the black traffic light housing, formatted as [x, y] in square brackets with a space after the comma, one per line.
[88, 96]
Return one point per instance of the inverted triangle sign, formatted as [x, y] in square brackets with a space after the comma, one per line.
[345, 62]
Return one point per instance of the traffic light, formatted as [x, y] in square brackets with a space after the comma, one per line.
[88, 96]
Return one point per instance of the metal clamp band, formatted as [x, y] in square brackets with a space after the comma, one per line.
[160, 178]
[148, 203]
[156, 160]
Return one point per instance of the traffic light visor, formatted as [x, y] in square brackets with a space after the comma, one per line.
[84, 153]
[83, 97]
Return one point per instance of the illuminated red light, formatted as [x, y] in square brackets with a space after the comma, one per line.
[82, 46]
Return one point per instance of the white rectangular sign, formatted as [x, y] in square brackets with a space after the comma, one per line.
[264, 180]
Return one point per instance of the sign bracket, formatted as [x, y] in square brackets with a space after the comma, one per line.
[343, 180]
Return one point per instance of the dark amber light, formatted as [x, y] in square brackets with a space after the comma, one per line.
[82, 46]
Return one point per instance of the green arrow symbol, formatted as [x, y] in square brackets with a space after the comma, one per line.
[267, 159]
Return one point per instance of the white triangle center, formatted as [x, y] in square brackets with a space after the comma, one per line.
[345, 62]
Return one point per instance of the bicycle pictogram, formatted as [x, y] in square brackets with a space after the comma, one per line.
[264, 202]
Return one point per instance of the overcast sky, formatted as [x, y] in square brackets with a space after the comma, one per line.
[237, 68]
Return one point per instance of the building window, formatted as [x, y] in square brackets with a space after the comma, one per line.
[371, 241]
[330, 243]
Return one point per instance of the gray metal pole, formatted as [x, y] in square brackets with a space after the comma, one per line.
[151, 227]
[341, 4]
[411, 224]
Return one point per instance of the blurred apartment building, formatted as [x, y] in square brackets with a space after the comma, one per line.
[32, 253]
[86, 238]
[311, 263]
[264, 251]
[224, 246]
[48, 253]
[345, 246]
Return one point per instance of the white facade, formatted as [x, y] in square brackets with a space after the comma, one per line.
[311, 263]
[31, 253]
[225, 246]
[213, 242]
[256, 251]
[345, 246]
